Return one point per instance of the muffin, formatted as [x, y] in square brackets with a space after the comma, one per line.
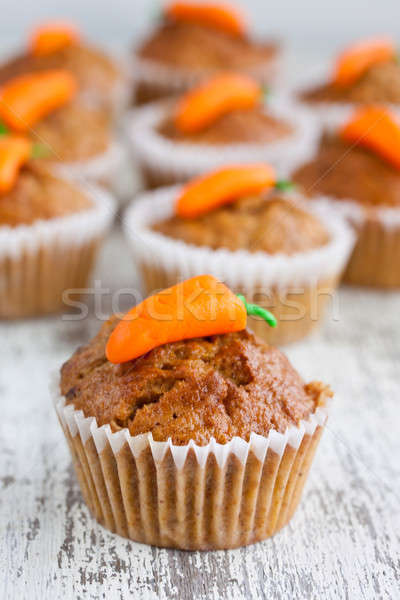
[366, 72]
[355, 167]
[59, 46]
[221, 120]
[200, 439]
[262, 241]
[50, 230]
[72, 136]
[193, 42]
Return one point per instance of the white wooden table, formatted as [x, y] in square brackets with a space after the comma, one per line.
[344, 541]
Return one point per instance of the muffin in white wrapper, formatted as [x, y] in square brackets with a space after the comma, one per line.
[376, 254]
[40, 261]
[153, 80]
[164, 161]
[296, 288]
[191, 497]
[328, 114]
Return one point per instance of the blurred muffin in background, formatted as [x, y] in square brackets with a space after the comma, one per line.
[240, 224]
[221, 120]
[75, 137]
[358, 167]
[59, 45]
[194, 41]
[50, 230]
[364, 73]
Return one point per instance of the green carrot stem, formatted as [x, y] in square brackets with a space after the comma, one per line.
[3, 129]
[284, 185]
[40, 150]
[258, 311]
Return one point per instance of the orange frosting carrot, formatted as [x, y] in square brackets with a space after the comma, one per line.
[197, 307]
[51, 37]
[357, 59]
[220, 95]
[15, 150]
[218, 16]
[376, 128]
[223, 186]
[26, 99]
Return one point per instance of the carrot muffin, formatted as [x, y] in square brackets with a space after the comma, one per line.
[224, 119]
[73, 136]
[193, 42]
[209, 431]
[236, 223]
[366, 72]
[358, 166]
[50, 230]
[59, 46]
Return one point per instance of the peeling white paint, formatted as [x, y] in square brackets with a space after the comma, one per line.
[342, 543]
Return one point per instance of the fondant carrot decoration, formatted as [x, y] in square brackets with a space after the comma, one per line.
[223, 186]
[15, 150]
[52, 37]
[357, 59]
[222, 94]
[375, 128]
[26, 99]
[218, 16]
[197, 307]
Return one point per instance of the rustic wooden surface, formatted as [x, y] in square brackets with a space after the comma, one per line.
[343, 542]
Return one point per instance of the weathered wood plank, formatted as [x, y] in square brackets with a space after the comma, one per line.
[343, 542]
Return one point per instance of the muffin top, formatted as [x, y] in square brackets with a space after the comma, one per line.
[93, 70]
[39, 195]
[194, 46]
[220, 386]
[351, 172]
[74, 132]
[380, 83]
[267, 222]
[238, 126]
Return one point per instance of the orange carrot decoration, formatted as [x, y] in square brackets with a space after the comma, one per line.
[218, 16]
[52, 37]
[357, 59]
[210, 100]
[223, 186]
[15, 150]
[375, 128]
[198, 307]
[26, 99]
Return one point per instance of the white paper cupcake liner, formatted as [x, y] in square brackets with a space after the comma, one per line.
[190, 497]
[240, 268]
[173, 161]
[376, 256]
[104, 168]
[39, 261]
[160, 80]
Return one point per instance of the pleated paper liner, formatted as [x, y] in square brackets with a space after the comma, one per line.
[296, 288]
[375, 261]
[39, 262]
[191, 497]
[153, 80]
[164, 162]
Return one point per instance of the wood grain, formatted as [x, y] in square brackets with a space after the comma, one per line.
[344, 541]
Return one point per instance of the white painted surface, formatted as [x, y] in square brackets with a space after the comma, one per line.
[343, 542]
